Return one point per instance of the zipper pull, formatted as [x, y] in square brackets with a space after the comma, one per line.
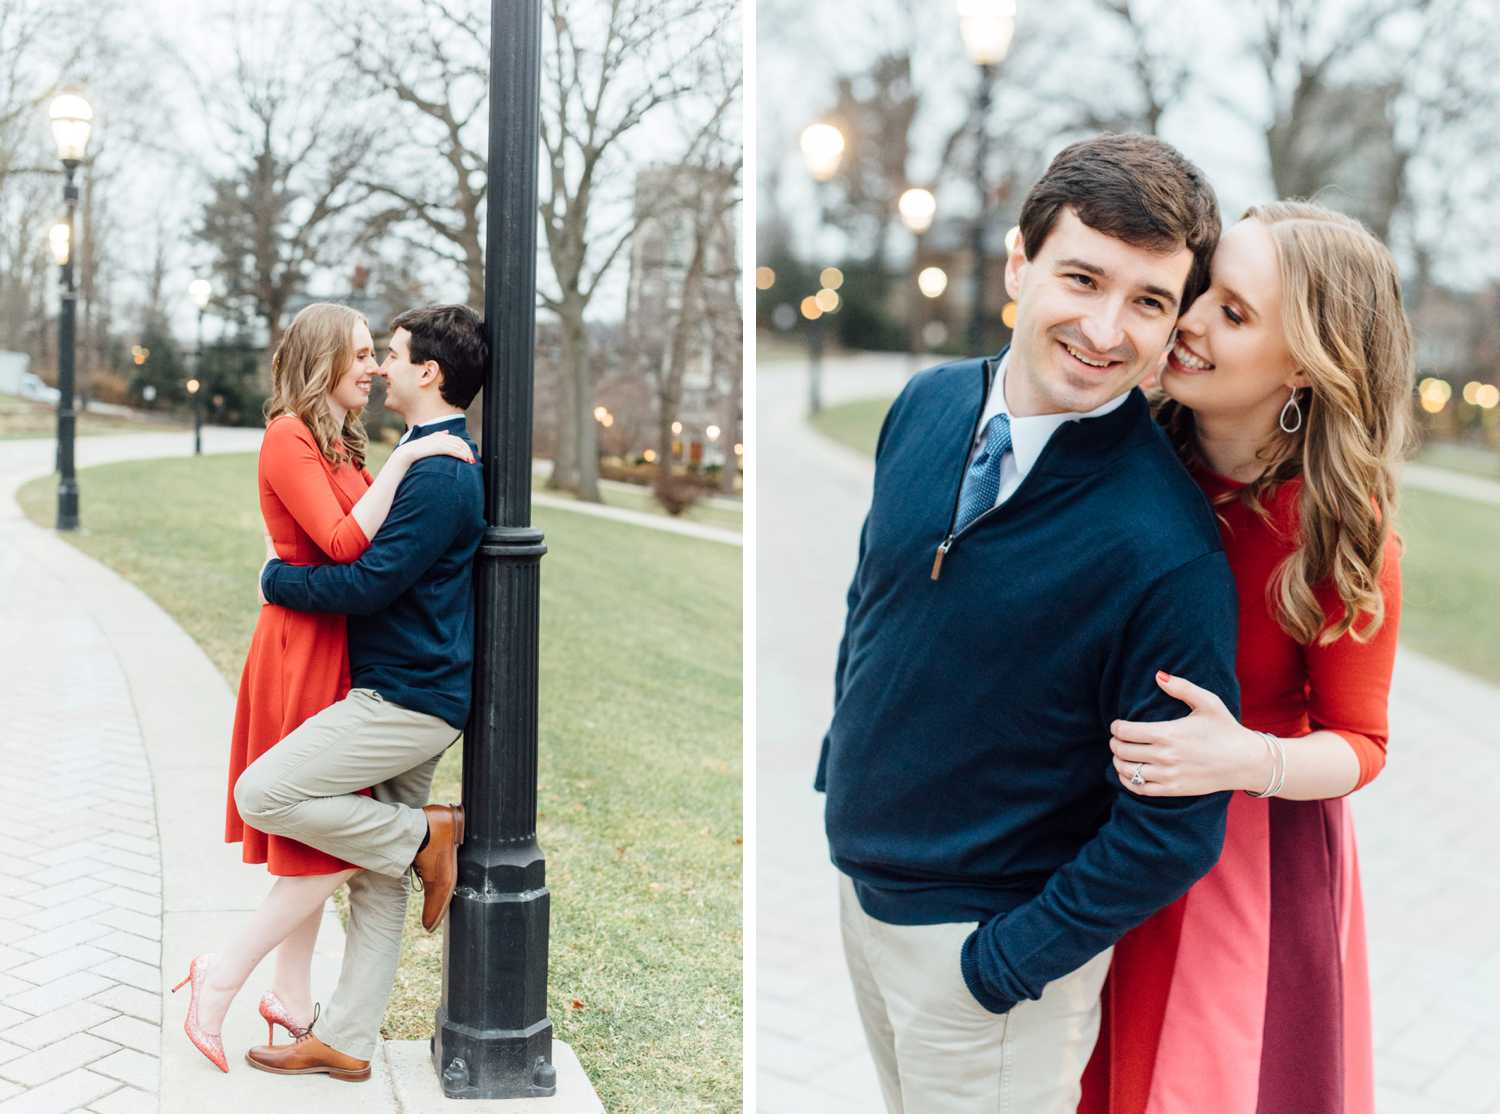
[942, 551]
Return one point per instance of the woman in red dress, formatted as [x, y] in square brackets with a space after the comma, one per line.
[320, 505]
[1288, 395]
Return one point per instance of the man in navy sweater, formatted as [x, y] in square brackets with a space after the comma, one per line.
[1032, 556]
[410, 604]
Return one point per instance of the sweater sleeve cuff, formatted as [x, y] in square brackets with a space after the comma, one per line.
[968, 961]
[268, 579]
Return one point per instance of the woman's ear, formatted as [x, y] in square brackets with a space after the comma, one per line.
[1297, 380]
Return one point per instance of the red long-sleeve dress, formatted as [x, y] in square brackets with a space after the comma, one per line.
[299, 661]
[1250, 995]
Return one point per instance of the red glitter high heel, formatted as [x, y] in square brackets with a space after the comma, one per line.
[277, 1014]
[210, 1044]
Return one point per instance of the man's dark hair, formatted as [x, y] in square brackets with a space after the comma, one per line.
[1132, 187]
[453, 337]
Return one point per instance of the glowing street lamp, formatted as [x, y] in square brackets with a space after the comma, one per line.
[828, 300]
[60, 239]
[712, 432]
[823, 150]
[72, 119]
[917, 208]
[831, 278]
[201, 291]
[932, 281]
[765, 278]
[987, 27]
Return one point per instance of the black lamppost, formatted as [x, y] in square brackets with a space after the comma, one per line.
[987, 27]
[917, 207]
[200, 290]
[822, 148]
[494, 1038]
[72, 120]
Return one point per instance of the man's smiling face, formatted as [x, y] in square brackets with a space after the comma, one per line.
[1094, 315]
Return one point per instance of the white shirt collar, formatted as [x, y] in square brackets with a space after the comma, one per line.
[1029, 436]
[412, 430]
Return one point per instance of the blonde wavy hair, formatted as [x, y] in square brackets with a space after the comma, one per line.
[315, 352]
[1348, 333]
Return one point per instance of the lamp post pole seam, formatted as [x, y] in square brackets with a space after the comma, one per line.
[494, 1038]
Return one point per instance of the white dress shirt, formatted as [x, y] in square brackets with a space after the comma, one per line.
[1028, 436]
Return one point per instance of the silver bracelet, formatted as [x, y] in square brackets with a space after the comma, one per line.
[1278, 766]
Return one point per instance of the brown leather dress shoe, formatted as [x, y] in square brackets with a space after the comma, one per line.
[437, 863]
[308, 1056]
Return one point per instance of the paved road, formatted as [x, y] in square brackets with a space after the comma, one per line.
[1428, 825]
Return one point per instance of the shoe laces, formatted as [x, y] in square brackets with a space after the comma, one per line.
[308, 1032]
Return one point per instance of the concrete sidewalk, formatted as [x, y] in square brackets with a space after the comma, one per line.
[115, 748]
[1427, 827]
[116, 751]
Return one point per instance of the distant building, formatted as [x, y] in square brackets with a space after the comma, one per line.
[660, 253]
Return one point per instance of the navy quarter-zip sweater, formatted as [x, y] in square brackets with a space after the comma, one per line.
[967, 767]
[410, 596]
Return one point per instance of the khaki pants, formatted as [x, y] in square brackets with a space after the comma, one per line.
[306, 787]
[937, 1050]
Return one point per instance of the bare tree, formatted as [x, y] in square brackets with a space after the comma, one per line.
[428, 60]
[293, 162]
[607, 71]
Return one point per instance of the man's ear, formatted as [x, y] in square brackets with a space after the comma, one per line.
[1015, 270]
[431, 372]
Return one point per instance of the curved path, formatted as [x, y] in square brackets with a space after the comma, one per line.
[1428, 825]
[113, 748]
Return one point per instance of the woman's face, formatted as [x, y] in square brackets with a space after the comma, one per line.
[352, 391]
[1231, 358]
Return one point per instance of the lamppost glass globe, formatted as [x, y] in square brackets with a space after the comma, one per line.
[60, 237]
[200, 290]
[917, 207]
[932, 281]
[712, 432]
[192, 386]
[72, 119]
[987, 27]
[823, 148]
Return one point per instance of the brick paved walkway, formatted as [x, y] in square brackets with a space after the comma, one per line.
[1427, 827]
[96, 684]
[80, 933]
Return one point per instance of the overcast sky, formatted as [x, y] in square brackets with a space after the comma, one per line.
[803, 48]
[164, 187]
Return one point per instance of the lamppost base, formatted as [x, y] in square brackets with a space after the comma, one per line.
[420, 1091]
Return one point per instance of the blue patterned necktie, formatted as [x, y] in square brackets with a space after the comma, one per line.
[982, 480]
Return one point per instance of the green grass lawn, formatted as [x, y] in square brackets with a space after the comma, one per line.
[1450, 574]
[856, 424]
[1476, 460]
[640, 763]
[640, 499]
